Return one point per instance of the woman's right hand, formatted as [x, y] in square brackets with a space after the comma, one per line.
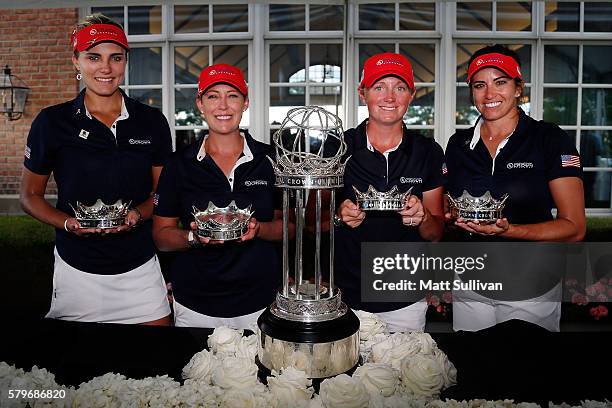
[72, 226]
[351, 214]
[203, 241]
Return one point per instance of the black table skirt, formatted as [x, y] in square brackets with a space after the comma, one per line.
[513, 360]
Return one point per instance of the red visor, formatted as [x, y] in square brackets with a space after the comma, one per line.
[222, 74]
[94, 34]
[500, 61]
[385, 64]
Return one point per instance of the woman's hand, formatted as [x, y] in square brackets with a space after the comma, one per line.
[500, 226]
[71, 225]
[413, 213]
[204, 241]
[253, 230]
[351, 214]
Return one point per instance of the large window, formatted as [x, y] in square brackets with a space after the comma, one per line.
[297, 54]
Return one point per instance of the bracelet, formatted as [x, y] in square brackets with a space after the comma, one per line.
[66, 224]
[338, 221]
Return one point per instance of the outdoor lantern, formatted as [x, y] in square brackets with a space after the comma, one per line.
[13, 95]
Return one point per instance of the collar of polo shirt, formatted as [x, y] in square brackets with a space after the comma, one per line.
[246, 150]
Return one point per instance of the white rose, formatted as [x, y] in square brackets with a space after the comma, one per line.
[200, 367]
[365, 347]
[290, 387]
[449, 372]
[196, 394]
[378, 378]
[235, 372]
[247, 347]
[343, 391]
[224, 340]
[425, 342]
[243, 398]
[370, 325]
[393, 350]
[421, 375]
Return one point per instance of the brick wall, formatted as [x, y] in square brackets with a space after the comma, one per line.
[35, 44]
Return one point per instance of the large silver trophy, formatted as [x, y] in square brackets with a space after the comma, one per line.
[308, 326]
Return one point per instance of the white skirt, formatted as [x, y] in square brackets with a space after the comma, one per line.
[136, 296]
[473, 312]
[185, 317]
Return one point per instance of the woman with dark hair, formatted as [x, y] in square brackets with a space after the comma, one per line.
[101, 145]
[534, 162]
[220, 283]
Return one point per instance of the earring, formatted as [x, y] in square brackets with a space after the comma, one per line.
[79, 76]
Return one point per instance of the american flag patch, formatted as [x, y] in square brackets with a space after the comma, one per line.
[155, 199]
[27, 151]
[570, 160]
[444, 169]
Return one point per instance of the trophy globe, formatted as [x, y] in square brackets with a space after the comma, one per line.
[308, 326]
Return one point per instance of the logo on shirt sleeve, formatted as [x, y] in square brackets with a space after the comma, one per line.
[27, 151]
[570, 160]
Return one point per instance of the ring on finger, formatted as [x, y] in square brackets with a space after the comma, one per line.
[410, 221]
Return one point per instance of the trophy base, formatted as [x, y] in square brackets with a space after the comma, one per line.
[224, 235]
[320, 349]
[308, 181]
[104, 224]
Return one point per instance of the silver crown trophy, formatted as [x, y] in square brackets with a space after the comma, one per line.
[308, 326]
[222, 223]
[374, 200]
[484, 209]
[100, 215]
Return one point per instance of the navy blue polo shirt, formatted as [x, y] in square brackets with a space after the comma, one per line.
[89, 163]
[233, 278]
[536, 153]
[417, 162]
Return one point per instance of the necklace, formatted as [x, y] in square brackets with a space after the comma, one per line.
[509, 134]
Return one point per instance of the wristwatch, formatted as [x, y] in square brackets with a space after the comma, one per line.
[192, 240]
[338, 221]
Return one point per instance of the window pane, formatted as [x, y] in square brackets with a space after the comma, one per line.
[464, 53]
[422, 57]
[284, 99]
[144, 20]
[328, 97]
[286, 60]
[191, 19]
[323, 18]
[230, 18]
[417, 16]
[560, 106]
[514, 16]
[114, 13]
[597, 107]
[151, 97]
[325, 63]
[185, 137]
[188, 63]
[367, 50]
[466, 112]
[421, 110]
[561, 16]
[237, 55]
[561, 63]
[185, 110]
[285, 17]
[597, 188]
[145, 66]
[377, 16]
[598, 16]
[597, 64]
[474, 16]
[525, 101]
[596, 148]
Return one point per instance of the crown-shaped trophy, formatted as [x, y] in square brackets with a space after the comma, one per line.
[484, 209]
[308, 326]
[374, 200]
[100, 215]
[222, 223]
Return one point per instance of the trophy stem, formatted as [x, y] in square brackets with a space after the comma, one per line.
[332, 211]
[318, 247]
[299, 232]
[285, 242]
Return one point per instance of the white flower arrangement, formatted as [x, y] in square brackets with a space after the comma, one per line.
[400, 370]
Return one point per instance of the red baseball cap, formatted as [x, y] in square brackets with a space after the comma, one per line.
[222, 74]
[504, 63]
[385, 64]
[95, 34]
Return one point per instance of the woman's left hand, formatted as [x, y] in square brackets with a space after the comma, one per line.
[252, 232]
[500, 226]
[413, 212]
[132, 219]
